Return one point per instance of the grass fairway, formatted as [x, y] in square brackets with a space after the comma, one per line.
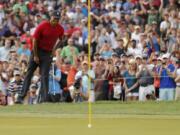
[109, 118]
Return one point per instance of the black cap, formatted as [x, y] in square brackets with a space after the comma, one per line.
[56, 14]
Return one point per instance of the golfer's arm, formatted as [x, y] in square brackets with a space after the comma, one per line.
[59, 41]
[35, 48]
[54, 48]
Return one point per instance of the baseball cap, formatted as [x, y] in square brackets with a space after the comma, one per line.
[56, 14]
[138, 56]
[16, 72]
[33, 86]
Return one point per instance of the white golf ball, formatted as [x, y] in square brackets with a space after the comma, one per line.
[89, 125]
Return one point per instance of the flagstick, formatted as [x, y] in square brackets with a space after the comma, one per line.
[89, 65]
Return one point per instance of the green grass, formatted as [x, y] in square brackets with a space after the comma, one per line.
[109, 118]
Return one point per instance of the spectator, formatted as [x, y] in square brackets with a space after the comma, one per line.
[85, 75]
[130, 81]
[2, 14]
[136, 34]
[78, 15]
[167, 83]
[156, 63]
[145, 77]
[69, 51]
[165, 25]
[3, 81]
[24, 49]
[120, 47]
[15, 86]
[122, 30]
[5, 50]
[32, 94]
[99, 69]
[118, 82]
[106, 51]
[133, 49]
[55, 91]
[108, 79]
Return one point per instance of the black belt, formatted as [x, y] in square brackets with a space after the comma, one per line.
[143, 85]
[44, 51]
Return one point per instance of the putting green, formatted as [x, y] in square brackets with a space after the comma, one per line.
[76, 126]
[109, 118]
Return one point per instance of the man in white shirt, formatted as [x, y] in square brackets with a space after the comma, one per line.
[134, 50]
[85, 74]
[136, 34]
[165, 24]
[5, 50]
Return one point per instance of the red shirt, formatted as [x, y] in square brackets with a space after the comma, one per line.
[71, 31]
[47, 35]
[28, 40]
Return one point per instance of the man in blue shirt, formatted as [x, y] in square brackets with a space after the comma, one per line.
[167, 83]
[55, 90]
[24, 49]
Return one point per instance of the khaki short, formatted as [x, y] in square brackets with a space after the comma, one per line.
[177, 97]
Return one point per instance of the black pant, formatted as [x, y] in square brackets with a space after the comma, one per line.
[157, 92]
[44, 64]
[54, 97]
[105, 88]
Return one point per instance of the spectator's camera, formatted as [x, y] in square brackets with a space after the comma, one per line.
[77, 84]
[77, 95]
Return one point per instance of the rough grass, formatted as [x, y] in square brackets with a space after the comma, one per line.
[99, 108]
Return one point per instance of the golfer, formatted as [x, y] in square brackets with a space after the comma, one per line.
[45, 40]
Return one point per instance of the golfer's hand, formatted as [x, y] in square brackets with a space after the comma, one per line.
[36, 59]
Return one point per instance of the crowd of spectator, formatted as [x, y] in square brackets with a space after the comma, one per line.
[135, 50]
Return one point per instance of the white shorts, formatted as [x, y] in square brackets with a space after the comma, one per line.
[143, 91]
[130, 94]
